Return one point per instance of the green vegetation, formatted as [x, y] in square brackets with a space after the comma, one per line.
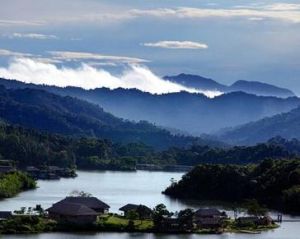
[119, 223]
[29, 147]
[40, 110]
[13, 183]
[198, 154]
[36, 220]
[25, 224]
[273, 182]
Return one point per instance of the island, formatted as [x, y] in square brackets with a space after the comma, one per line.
[87, 213]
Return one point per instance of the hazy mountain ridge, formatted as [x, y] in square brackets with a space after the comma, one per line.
[193, 113]
[286, 125]
[250, 87]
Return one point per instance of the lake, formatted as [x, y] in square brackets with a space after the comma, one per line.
[118, 189]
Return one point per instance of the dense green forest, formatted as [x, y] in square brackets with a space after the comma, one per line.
[30, 147]
[275, 183]
[198, 154]
[13, 183]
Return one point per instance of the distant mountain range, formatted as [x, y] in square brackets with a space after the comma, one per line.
[286, 125]
[191, 113]
[42, 110]
[250, 87]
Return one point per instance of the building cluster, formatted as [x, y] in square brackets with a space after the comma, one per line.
[50, 172]
[85, 210]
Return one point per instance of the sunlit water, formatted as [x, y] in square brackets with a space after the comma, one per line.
[118, 189]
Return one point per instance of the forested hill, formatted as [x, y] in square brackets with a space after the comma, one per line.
[70, 116]
[275, 183]
[285, 125]
[191, 113]
[31, 147]
[27, 147]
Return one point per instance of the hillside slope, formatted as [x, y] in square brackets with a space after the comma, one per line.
[70, 116]
[191, 113]
[286, 125]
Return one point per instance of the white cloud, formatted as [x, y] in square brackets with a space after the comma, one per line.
[32, 36]
[8, 53]
[88, 77]
[177, 45]
[10, 23]
[283, 12]
[95, 12]
[76, 56]
[282, 7]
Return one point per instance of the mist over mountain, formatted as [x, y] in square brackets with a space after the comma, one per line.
[250, 87]
[42, 110]
[286, 125]
[192, 113]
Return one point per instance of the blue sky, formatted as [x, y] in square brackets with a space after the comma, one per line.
[223, 40]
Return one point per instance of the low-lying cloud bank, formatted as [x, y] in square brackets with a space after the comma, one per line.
[177, 45]
[88, 77]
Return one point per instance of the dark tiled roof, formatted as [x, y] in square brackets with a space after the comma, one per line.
[250, 218]
[91, 202]
[71, 209]
[129, 207]
[5, 214]
[209, 221]
[208, 212]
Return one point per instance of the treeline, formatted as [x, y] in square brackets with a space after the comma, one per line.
[275, 183]
[13, 183]
[198, 154]
[30, 147]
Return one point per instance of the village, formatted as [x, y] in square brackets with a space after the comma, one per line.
[88, 213]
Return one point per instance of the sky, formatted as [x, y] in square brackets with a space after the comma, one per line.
[134, 43]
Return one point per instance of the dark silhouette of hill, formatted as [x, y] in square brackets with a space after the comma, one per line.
[197, 82]
[250, 87]
[42, 110]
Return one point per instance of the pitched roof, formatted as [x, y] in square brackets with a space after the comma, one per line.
[91, 202]
[129, 207]
[209, 221]
[207, 212]
[71, 209]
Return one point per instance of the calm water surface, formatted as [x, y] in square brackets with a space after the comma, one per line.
[118, 189]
